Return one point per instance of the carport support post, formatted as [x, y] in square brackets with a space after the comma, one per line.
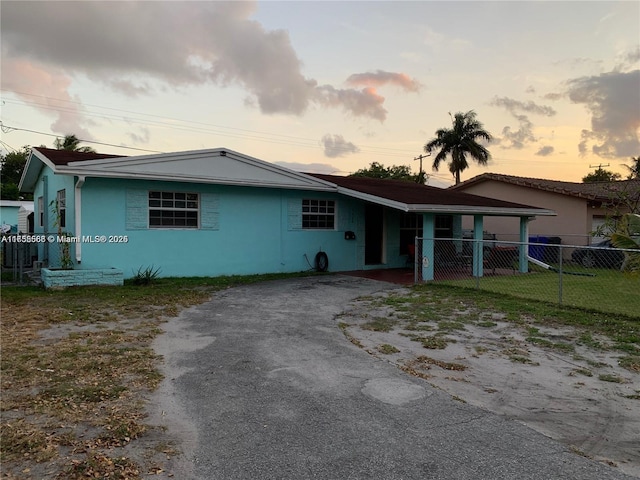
[427, 254]
[524, 236]
[478, 244]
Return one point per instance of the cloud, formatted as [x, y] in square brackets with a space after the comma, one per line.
[612, 99]
[380, 78]
[515, 105]
[140, 138]
[518, 138]
[337, 146]
[365, 102]
[125, 45]
[545, 151]
[53, 96]
[524, 134]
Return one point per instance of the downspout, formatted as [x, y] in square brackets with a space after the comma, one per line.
[45, 217]
[78, 216]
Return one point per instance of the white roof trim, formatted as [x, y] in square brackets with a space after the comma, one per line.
[374, 199]
[232, 168]
[470, 210]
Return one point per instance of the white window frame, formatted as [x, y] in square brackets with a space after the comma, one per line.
[61, 204]
[176, 203]
[41, 211]
[318, 214]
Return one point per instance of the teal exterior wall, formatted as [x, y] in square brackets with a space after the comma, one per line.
[47, 187]
[244, 230]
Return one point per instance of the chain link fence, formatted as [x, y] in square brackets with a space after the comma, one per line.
[589, 277]
[16, 259]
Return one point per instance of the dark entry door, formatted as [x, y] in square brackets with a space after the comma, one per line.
[373, 234]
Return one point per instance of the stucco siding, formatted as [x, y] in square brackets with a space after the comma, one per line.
[253, 232]
[572, 223]
[47, 187]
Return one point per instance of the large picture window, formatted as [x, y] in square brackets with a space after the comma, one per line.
[318, 214]
[173, 209]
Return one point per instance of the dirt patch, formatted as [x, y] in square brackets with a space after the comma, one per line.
[563, 381]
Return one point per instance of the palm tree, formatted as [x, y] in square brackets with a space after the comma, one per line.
[72, 144]
[634, 168]
[460, 141]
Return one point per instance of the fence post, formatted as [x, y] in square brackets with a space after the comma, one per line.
[560, 274]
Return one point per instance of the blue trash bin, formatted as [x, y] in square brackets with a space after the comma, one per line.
[538, 251]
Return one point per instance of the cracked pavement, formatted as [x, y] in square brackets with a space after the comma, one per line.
[262, 384]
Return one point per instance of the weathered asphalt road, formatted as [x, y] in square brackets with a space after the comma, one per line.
[262, 384]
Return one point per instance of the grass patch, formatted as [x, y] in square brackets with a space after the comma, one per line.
[582, 371]
[543, 342]
[487, 324]
[387, 349]
[621, 329]
[380, 324]
[433, 342]
[439, 363]
[608, 291]
[631, 363]
[608, 377]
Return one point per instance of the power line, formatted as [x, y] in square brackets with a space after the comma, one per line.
[8, 129]
[188, 125]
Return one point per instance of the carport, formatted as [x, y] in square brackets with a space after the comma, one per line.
[429, 205]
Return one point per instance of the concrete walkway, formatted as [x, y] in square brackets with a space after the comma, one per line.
[262, 384]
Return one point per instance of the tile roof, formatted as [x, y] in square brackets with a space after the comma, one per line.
[63, 157]
[590, 191]
[413, 193]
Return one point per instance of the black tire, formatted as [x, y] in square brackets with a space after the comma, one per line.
[322, 262]
[588, 261]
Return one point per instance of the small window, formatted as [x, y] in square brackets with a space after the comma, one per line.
[318, 214]
[173, 209]
[41, 211]
[61, 203]
[410, 228]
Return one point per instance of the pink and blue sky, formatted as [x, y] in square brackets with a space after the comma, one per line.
[329, 86]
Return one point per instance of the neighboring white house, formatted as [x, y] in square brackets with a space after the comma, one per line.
[9, 213]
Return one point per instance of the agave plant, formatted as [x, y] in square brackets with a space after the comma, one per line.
[627, 236]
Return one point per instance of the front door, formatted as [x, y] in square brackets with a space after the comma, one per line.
[373, 234]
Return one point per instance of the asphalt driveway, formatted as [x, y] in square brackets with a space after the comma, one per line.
[262, 384]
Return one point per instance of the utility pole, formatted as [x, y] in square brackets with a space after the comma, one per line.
[598, 167]
[420, 171]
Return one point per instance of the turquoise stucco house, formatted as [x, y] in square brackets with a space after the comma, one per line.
[219, 212]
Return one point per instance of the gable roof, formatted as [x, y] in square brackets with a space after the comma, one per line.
[413, 197]
[591, 191]
[226, 167]
[214, 166]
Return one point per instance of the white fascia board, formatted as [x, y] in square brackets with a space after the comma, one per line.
[374, 199]
[28, 176]
[191, 179]
[477, 210]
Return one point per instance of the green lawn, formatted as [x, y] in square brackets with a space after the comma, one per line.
[608, 291]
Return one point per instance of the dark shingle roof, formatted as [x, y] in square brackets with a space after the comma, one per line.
[590, 191]
[64, 157]
[413, 193]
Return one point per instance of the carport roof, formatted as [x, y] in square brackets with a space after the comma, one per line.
[413, 197]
